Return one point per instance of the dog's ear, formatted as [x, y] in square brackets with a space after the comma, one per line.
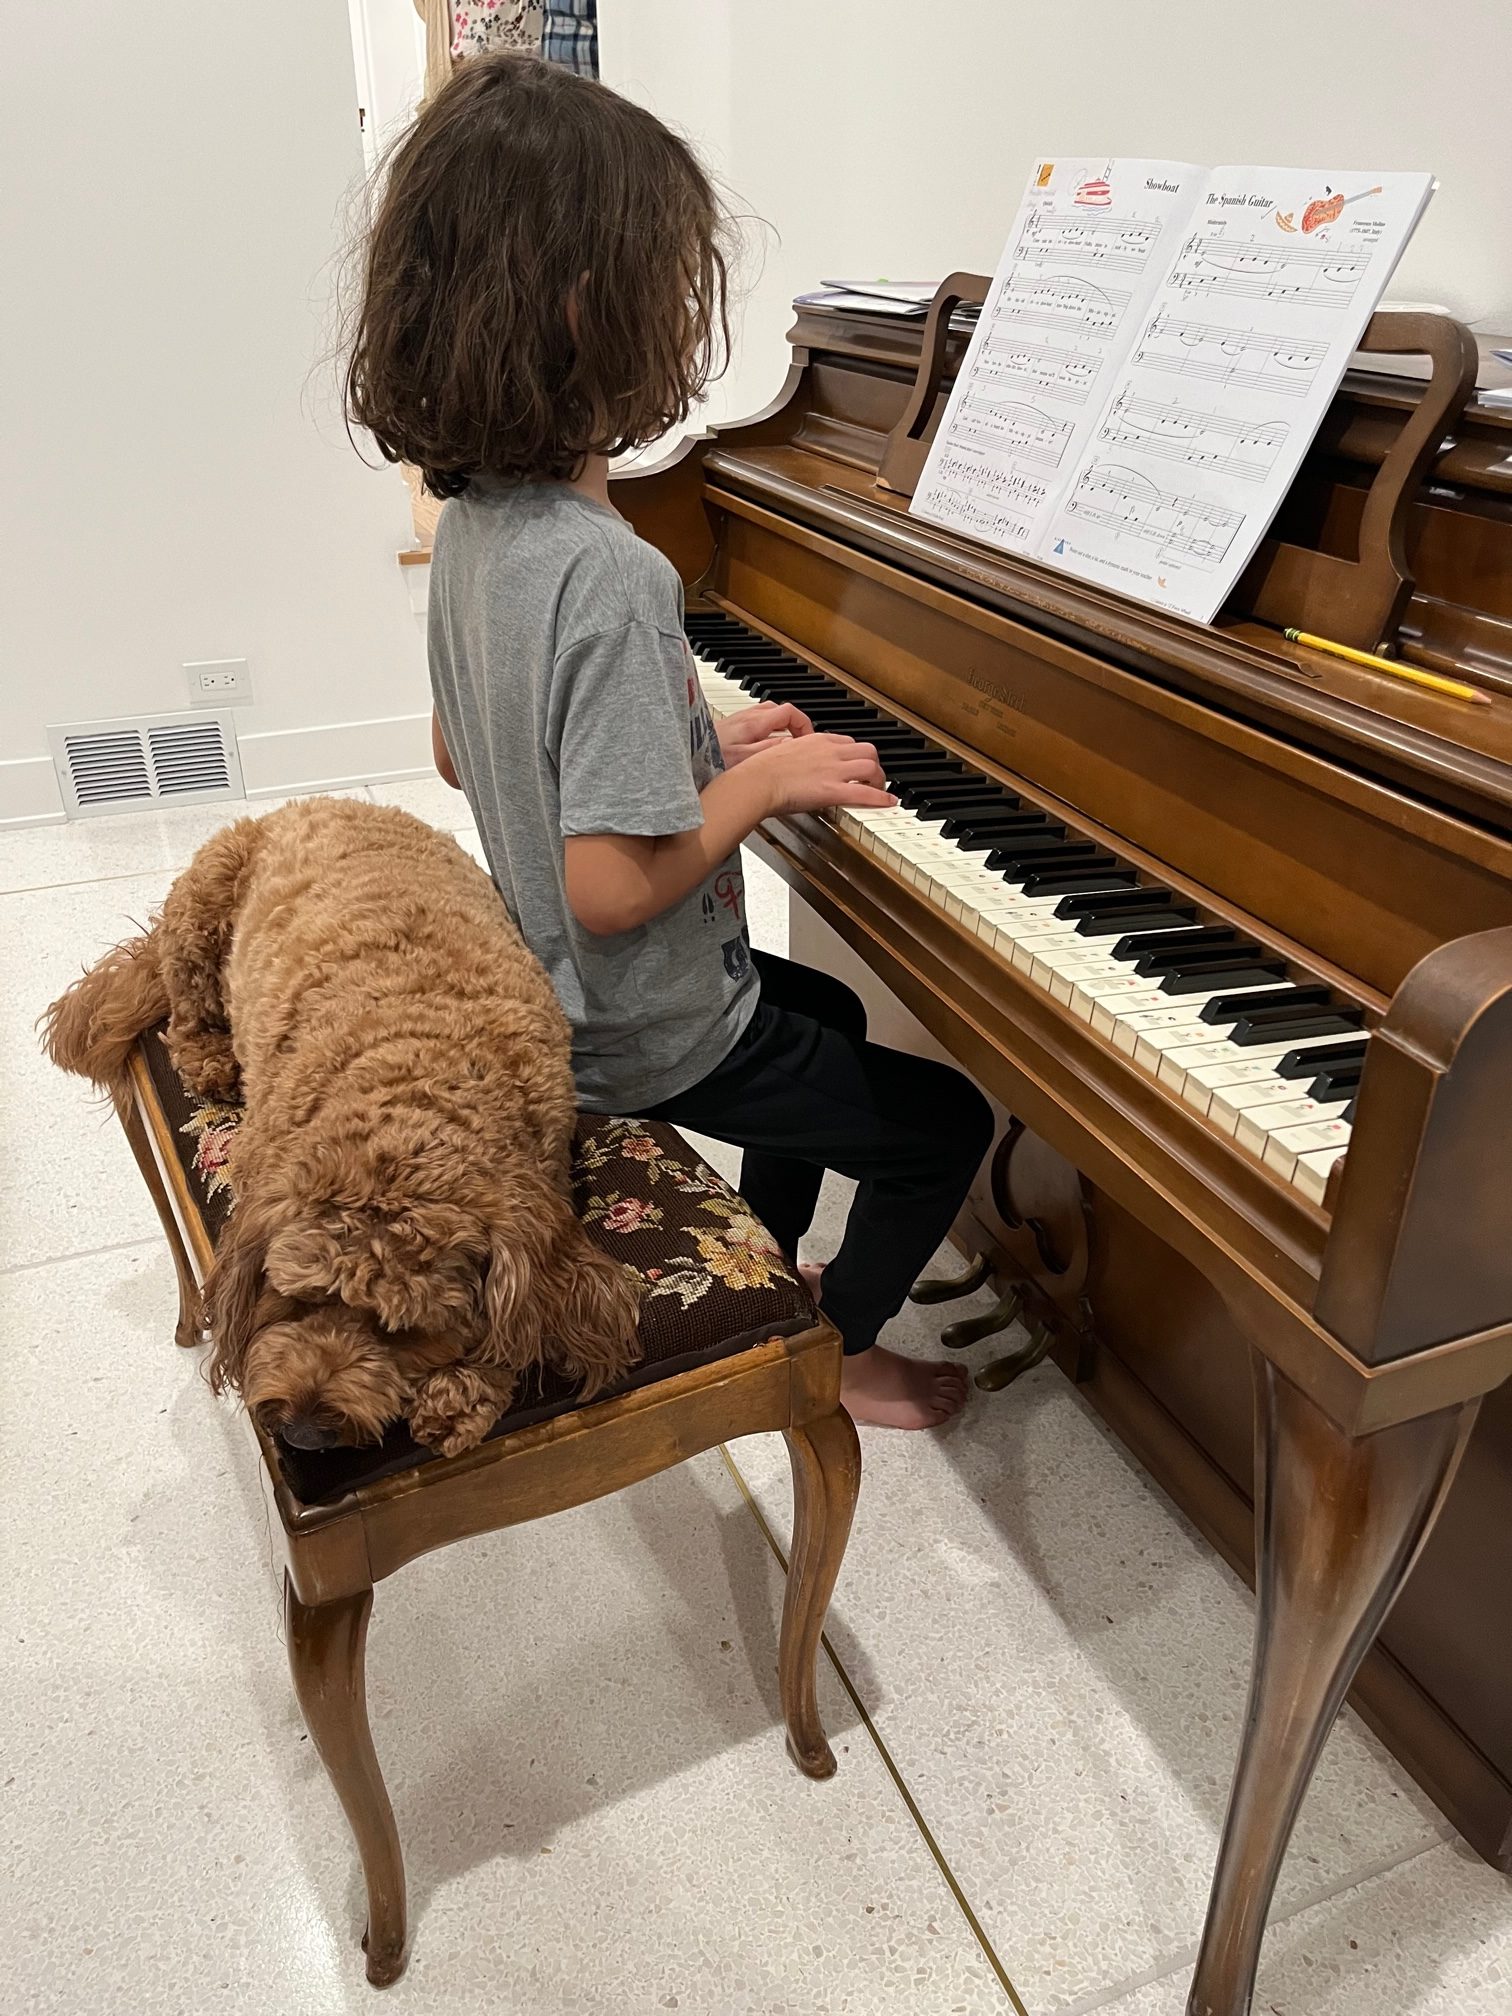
[551, 1293]
[233, 1289]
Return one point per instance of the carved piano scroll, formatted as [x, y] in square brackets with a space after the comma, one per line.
[903, 459]
[1420, 1252]
[1360, 602]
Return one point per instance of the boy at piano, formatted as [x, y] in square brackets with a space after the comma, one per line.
[544, 288]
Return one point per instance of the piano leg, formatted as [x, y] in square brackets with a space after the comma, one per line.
[1338, 1524]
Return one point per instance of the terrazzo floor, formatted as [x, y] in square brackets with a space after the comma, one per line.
[1037, 1675]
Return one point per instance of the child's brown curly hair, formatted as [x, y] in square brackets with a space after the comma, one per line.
[544, 280]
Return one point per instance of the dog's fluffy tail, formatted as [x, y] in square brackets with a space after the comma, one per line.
[91, 1029]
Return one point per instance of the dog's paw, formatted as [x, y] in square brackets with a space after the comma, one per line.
[208, 1066]
[453, 1409]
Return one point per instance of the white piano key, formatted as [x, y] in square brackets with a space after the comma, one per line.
[1227, 1106]
[1312, 1171]
[1284, 1149]
[1258, 1123]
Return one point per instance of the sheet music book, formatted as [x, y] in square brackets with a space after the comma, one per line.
[1158, 348]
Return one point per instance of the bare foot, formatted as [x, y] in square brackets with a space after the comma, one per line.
[883, 1390]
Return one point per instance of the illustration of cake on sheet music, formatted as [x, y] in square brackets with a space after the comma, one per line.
[1096, 193]
[1158, 347]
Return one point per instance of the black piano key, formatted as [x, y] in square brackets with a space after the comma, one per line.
[756, 651]
[991, 824]
[1349, 1111]
[1318, 1056]
[1128, 923]
[1201, 978]
[1339, 1081]
[778, 685]
[1275, 1025]
[1142, 898]
[926, 762]
[1224, 1010]
[1048, 850]
[1217, 959]
[1207, 937]
[1068, 881]
[1325, 1023]
[962, 794]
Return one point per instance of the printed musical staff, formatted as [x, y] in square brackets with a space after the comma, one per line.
[980, 515]
[1248, 358]
[1078, 305]
[1111, 244]
[1012, 427]
[1128, 504]
[1223, 442]
[1249, 269]
[1009, 360]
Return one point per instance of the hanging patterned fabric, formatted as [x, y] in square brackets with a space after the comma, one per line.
[482, 27]
[571, 36]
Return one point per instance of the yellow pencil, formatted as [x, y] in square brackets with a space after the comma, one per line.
[1453, 687]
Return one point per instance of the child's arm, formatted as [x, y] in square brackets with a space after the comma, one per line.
[442, 754]
[616, 881]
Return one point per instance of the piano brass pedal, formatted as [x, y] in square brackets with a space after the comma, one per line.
[950, 1288]
[1013, 1364]
[972, 1329]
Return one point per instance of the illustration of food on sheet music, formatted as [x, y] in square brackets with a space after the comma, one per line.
[1159, 347]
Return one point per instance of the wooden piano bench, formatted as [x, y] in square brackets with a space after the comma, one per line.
[731, 1345]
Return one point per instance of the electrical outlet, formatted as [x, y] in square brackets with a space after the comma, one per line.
[220, 682]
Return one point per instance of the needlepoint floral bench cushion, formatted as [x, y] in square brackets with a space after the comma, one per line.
[715, 1280]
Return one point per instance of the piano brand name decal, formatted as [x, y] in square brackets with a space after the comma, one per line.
[1005, 695]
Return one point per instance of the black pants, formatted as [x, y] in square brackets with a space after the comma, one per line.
[803, 1091]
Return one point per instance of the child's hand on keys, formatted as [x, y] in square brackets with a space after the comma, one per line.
[743, 734]
[811, 773]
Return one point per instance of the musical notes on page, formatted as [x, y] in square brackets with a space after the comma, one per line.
[1129, 505]
[1158, 349]
[1249, 359]
[1110, 244]
[1090, 243]
[1215, 263]
[1226, 443]
[1079, 306]
[1013, 362]
[1027, 432]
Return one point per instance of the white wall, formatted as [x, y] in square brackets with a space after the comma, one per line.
[176, 485]
[885, 136]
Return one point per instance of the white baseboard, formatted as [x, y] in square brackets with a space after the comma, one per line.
[337, 755]
[333, 757]
[29, 794]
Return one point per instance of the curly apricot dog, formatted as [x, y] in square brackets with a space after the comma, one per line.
[403, 1240]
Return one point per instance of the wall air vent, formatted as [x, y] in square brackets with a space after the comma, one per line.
[167, 759]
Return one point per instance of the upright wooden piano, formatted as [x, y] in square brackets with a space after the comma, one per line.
[1077, 770]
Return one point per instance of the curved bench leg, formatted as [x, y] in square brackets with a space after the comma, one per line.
[826, 1460]
[189, 1330]
[326, 1646]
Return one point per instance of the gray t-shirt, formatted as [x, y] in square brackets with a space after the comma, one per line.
[570, 704]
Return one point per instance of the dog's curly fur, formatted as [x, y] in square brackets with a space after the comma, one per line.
[402, 1167]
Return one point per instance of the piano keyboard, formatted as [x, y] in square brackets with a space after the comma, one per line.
[1269, 1060]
